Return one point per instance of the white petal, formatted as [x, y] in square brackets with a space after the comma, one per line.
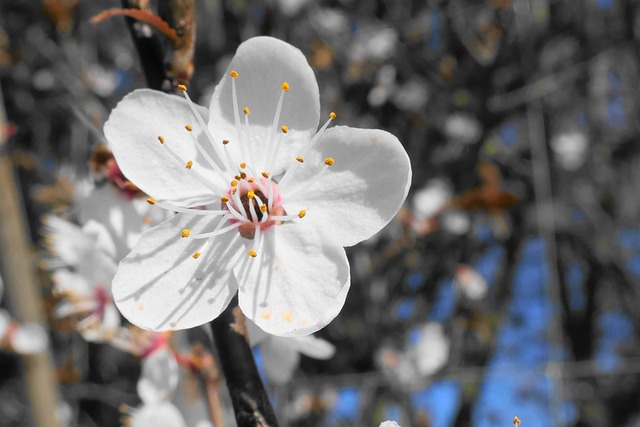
[389, 424]
[160, 286]
[161, 414]
[280, 360]
[5, 321]
[30, 338]
[360, 193]
[159, 377]
[125, 220]
[313, 347]
[66, 281]
[296, 284]
[263, 64]
[132, 131]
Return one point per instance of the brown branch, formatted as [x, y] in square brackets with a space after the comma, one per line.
[141, 15]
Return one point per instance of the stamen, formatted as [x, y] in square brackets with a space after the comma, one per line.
[243, 165]
[225, 150]
[224, 199]
[265, 174]
[173, 208]
[182, 88]
[207, 183]
[284, 129]
[218, 231]
[315, 138]
[189, 164]
[185, 233]
[302, 214]
[240, 217]
[236, 114]
[328, 162]
[286, 217]
[263, 209]
[189, 128]
[252, 253]
[252, 209]
[239, 205]
[196, 255]
[256, 238]
[208, 134]
[300, 159]
[246, 111]
[161, 139]
[276, 119]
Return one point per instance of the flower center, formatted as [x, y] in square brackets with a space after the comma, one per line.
[255, 205]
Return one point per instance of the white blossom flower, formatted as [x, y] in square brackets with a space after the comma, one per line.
[281, 355]
[85, 291]
[265, 202]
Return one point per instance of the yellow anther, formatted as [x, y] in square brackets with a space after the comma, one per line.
[246, 110]
[265, 174]
[225, 141]
[251, 194]
[185, 233]
[300, 159]
[243, 165]
[250, 179]
[189, 164]
[329, 161]
[161, 139]
[234, 74]
[516, 421]
[252, 253]
[302, 213]
[188, 127]
[234, 183]
[196, 255]
[243, 175]
[284, 128]
[332, 115]
[182, 88]
[238, 177]
[263, 208]
[285, 86]
[224, 199]
[234, 191]
[151, 201]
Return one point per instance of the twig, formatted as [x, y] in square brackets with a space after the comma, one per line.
[150, 51]
[250, 401]
[19, 278]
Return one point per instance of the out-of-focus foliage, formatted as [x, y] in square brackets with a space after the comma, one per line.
[460, 312]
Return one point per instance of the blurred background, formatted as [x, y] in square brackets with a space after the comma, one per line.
[508, 285]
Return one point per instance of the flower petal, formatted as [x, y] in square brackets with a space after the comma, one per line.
[280, 359]
[159, 377]
[360, 193]
[263, 64]
[297, 284]
[160, 286]
[132, 131]
[313, 347]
